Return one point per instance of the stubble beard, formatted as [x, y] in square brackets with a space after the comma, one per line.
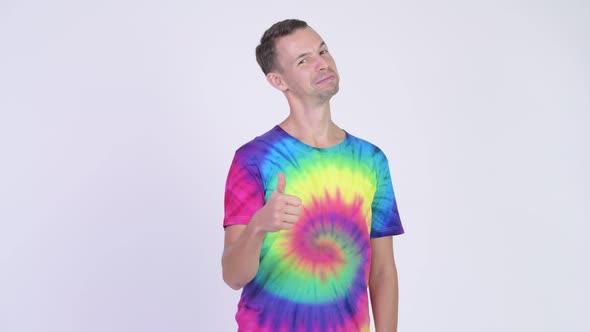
[328, 94]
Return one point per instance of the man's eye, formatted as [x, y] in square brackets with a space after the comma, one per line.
[302, 61]
[323, 52]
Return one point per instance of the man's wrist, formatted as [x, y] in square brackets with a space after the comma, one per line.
[254, 230]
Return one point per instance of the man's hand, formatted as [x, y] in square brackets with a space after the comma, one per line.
[243, 243]
[281, 211]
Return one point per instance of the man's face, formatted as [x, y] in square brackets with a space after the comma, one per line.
[306, 67]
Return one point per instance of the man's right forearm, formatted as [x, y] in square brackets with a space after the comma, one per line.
[241, 256]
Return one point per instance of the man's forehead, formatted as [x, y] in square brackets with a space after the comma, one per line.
[301, 40]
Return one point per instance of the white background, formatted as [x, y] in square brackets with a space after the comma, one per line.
[118, 121]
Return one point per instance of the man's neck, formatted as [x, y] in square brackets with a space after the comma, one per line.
[313, 125]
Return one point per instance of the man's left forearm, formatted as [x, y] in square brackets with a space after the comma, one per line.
[384, 301]
[383, 287]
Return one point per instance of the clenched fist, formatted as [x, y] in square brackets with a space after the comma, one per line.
[280, 212]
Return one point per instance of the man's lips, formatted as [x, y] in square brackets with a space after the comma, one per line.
[326, 79]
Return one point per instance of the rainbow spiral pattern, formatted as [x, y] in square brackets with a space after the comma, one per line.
[313, 277]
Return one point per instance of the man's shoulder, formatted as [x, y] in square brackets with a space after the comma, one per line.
[365, 144]
[259, 144]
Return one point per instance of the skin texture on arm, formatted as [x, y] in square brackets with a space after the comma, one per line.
[242, 244]
[241, 254]
[383, 285]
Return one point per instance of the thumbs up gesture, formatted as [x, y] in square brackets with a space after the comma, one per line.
[281, 211]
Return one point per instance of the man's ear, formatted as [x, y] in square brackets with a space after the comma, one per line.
[276, 80]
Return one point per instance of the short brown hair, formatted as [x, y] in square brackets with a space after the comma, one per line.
[266, 50]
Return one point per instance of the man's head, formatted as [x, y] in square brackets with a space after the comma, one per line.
[296, 61]
[266, 51]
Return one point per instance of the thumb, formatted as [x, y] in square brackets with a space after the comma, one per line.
[281, 182]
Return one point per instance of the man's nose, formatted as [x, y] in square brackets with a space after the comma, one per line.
[321, 63]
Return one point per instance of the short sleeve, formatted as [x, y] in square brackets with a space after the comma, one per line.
[244, 193]
[386, 220]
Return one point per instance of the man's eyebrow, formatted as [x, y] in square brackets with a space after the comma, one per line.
[322, 44]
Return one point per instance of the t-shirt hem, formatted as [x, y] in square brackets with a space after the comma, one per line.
[240, 220]
[391, 231]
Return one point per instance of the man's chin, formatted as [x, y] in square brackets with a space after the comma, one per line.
[327, 94]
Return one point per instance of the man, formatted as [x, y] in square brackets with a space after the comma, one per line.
[309, 208]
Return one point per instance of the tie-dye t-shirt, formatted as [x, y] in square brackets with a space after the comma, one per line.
[313, 277]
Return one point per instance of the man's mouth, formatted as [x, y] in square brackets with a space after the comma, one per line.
[326, 79]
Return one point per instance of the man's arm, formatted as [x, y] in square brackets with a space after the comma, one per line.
[241, 254]
[383, 286]
[242, 244]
